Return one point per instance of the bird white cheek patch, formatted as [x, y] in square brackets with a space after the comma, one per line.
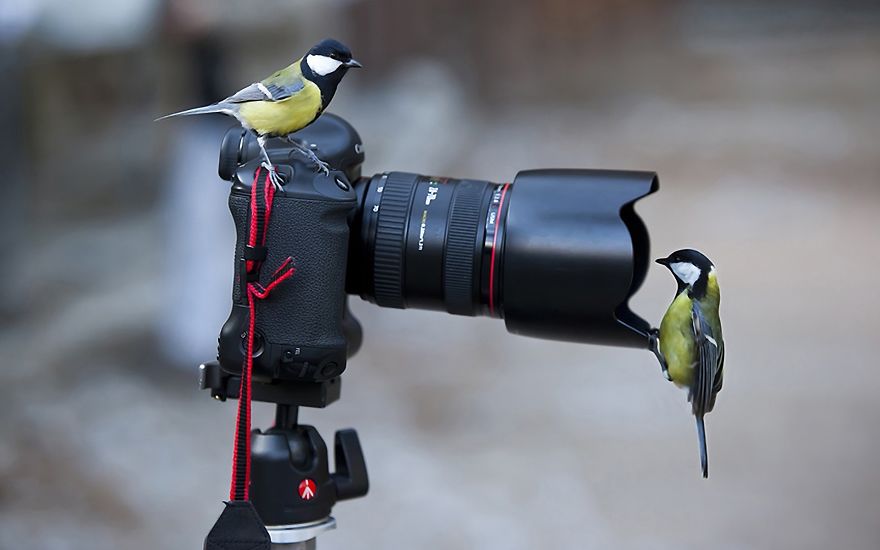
[322, 65]
[686, 271]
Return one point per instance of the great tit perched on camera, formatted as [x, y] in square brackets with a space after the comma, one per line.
[691, 348]
[289, 99]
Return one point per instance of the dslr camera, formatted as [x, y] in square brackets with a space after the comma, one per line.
[554, 253]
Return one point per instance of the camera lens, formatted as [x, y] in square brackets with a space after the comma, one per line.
[556, 253]
[430, 243]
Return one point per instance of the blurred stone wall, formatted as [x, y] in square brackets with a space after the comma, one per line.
[510, 51]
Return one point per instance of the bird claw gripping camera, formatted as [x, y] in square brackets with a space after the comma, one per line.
[556, 253]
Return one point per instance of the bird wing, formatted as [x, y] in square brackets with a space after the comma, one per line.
[719, 375]
[281, 85]
[259, 91]
[710, 359]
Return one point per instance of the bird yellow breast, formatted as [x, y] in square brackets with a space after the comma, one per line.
[279, 118]
[677, 340]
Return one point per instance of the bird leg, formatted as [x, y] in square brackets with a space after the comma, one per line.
[654, 346]
[309, 154]
[267, 164]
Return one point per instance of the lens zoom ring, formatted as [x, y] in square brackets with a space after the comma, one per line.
[390, 239]
[458, 267]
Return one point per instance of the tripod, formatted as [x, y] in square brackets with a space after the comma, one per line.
[292, 488]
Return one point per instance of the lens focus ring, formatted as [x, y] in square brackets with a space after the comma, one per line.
[390, 240]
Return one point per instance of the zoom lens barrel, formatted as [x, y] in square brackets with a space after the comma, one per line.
[423, 242]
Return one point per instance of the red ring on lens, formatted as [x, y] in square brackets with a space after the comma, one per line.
[495, 250]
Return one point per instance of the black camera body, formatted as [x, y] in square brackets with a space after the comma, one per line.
[556, 253]
[301, 332]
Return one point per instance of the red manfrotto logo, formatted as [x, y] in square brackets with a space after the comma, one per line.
[307, 489]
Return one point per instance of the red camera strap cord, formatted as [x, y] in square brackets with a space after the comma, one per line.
[260, 212]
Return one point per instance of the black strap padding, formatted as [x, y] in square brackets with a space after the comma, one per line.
[239, 527]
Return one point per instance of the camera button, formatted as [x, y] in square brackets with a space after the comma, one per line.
[331, 370]
[342, 184]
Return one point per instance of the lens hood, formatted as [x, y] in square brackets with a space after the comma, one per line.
[575, 252]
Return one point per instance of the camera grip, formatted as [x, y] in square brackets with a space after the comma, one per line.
[299, 326]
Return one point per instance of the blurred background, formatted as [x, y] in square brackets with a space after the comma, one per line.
[762, 119]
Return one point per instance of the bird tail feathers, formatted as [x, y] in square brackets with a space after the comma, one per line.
[207, 109]
[701, 436]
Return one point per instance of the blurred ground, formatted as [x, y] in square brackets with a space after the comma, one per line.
[764, 126]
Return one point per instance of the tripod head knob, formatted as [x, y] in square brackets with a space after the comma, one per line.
[351, 471]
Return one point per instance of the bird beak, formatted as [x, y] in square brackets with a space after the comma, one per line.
[663, 261]
[353, 64]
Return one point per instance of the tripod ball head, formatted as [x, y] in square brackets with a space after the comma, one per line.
[291, 481]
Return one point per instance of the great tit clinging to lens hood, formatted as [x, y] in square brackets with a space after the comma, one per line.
[690, 342]
[289, 99]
